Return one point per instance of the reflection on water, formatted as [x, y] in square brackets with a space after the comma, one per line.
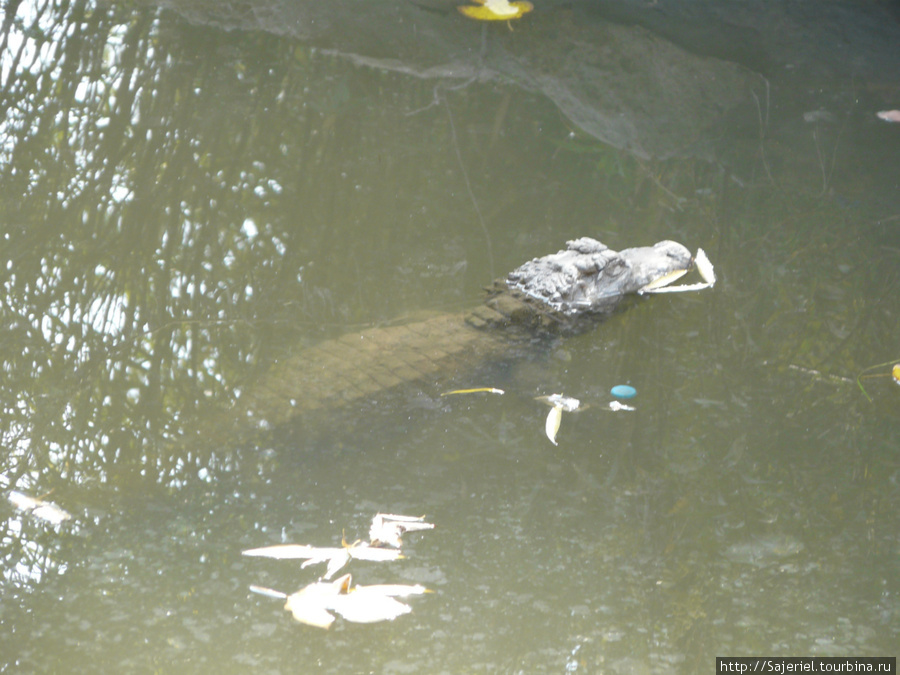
[183, 206]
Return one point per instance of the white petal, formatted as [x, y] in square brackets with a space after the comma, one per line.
[552, 424]
[365, 552]
[292, 552]
[705, 267]
[309, 611]
[336, 562]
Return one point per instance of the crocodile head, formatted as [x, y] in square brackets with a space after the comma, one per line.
[590, 277]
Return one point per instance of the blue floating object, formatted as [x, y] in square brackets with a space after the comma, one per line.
[623, 391]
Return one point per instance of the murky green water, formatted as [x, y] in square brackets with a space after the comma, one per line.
[184, 203]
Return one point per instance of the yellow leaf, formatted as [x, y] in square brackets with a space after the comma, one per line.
[895, 373]
[496, 10]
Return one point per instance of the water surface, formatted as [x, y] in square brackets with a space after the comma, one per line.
[186, 201]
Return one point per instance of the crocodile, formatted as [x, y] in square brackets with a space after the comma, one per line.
[561, 293]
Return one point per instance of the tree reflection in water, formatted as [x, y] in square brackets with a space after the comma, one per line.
[142, 274]
[153, 176]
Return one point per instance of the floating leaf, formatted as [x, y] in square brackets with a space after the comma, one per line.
[291, 552]
[705, 267]
[312, 614]
[38, 508]
[361, 607]
[336, 557]
[388, 528]
[496, 10]
[310, 604]
[314, 603]
[551, 426]
[363, 551]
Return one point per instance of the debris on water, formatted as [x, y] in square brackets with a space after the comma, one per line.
[336, 557]
[496, 10]
[477, 390]
[551, 426]
[387, 528]
[314, 603]
[567, 403]
[46, 511]
[623, 391]
[559, 403]
[615, 406]
[895, 373]
[889, 115]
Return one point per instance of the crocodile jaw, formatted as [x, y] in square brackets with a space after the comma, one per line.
[656, 266]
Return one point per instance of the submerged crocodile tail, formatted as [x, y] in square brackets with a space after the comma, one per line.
[359, 365]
